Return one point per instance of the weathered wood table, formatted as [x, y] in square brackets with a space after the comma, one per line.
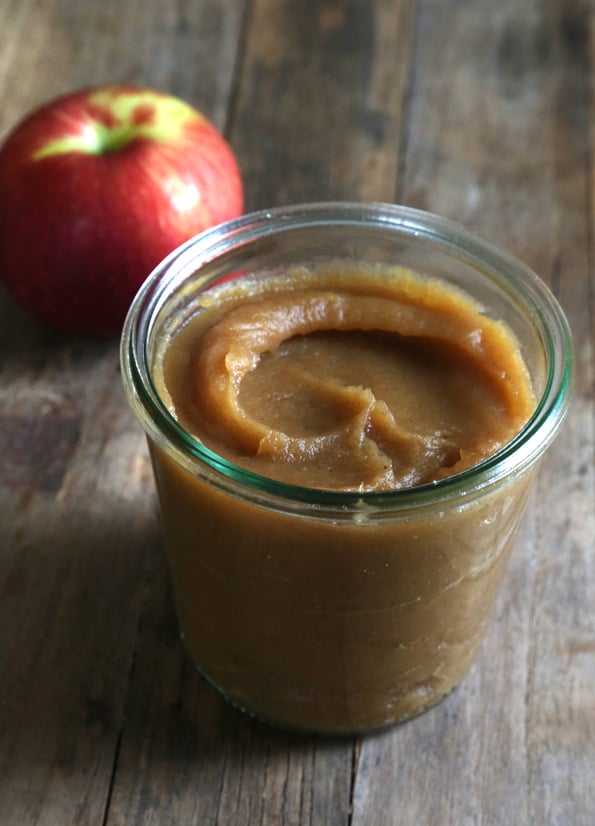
[482, 111]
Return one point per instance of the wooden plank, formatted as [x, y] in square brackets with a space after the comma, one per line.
[185, 756]
[71, 593]
[561, 676]
[50, 47]
[498, 139]
[79, 522]
[320, 110]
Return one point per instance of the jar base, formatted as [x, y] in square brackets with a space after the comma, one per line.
[332, 731]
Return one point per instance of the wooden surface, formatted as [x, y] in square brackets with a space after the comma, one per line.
[482, 111]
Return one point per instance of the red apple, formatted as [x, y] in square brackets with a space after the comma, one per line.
[95, 189]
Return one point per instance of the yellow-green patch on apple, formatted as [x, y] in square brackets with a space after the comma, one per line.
[119, 116]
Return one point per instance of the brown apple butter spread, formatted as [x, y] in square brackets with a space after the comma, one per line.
[333, 380]
[349, 378]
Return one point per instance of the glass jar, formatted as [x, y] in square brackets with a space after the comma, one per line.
[339, 612]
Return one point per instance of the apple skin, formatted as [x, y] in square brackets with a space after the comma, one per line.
[96, 188]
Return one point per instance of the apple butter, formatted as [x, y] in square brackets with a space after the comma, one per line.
[352, 379]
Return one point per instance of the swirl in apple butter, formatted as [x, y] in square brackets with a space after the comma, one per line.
[347, 378]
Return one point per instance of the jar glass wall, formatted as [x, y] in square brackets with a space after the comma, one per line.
[324, 610]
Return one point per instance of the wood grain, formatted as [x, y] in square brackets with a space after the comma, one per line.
[481, 111]
[320, 100]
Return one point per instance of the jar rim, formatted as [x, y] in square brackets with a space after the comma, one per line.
[511, 459]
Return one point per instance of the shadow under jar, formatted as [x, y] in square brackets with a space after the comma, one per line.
[338, 611]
